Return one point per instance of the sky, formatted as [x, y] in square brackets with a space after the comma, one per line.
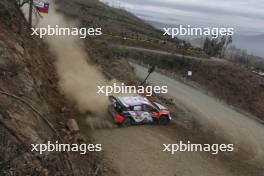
[245, 16]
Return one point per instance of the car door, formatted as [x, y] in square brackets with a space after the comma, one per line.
[138, 113]
[153, 113]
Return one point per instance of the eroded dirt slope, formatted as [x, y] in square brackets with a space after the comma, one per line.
[28, 95]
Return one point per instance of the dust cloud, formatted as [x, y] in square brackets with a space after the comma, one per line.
[78, 79]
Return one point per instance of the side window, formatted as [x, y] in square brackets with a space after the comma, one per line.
[149, 108]
[137, 108]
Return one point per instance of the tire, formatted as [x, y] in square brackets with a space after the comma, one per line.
[164, 120]
[127, 122]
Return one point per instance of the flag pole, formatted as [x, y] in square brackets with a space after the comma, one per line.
[30, 13]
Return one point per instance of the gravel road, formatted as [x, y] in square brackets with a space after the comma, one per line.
[138, 150]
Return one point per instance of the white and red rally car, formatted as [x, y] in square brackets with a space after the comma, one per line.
[134, 110]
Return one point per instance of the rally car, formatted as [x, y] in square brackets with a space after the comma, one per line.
[133, 110]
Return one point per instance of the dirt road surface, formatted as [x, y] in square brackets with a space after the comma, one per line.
[138, 150]
[243, 130]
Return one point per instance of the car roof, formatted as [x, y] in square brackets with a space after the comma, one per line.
[134, 101]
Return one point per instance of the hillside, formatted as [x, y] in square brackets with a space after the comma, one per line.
[32, 110]
[224, 81]
[119, 26]
[45, 84]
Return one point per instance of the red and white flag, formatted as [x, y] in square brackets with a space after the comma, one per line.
[42, 7]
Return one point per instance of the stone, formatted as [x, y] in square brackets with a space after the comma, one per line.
[72, 125]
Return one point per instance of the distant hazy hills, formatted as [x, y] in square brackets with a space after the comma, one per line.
[252, 43]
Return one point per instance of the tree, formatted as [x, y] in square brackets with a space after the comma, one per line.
[32, 9]
[21, 3]
[217, 46]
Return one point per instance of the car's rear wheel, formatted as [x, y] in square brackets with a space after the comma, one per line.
[164, 120]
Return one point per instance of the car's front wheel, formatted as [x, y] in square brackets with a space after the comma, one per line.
[164, 120]
[127, 122]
